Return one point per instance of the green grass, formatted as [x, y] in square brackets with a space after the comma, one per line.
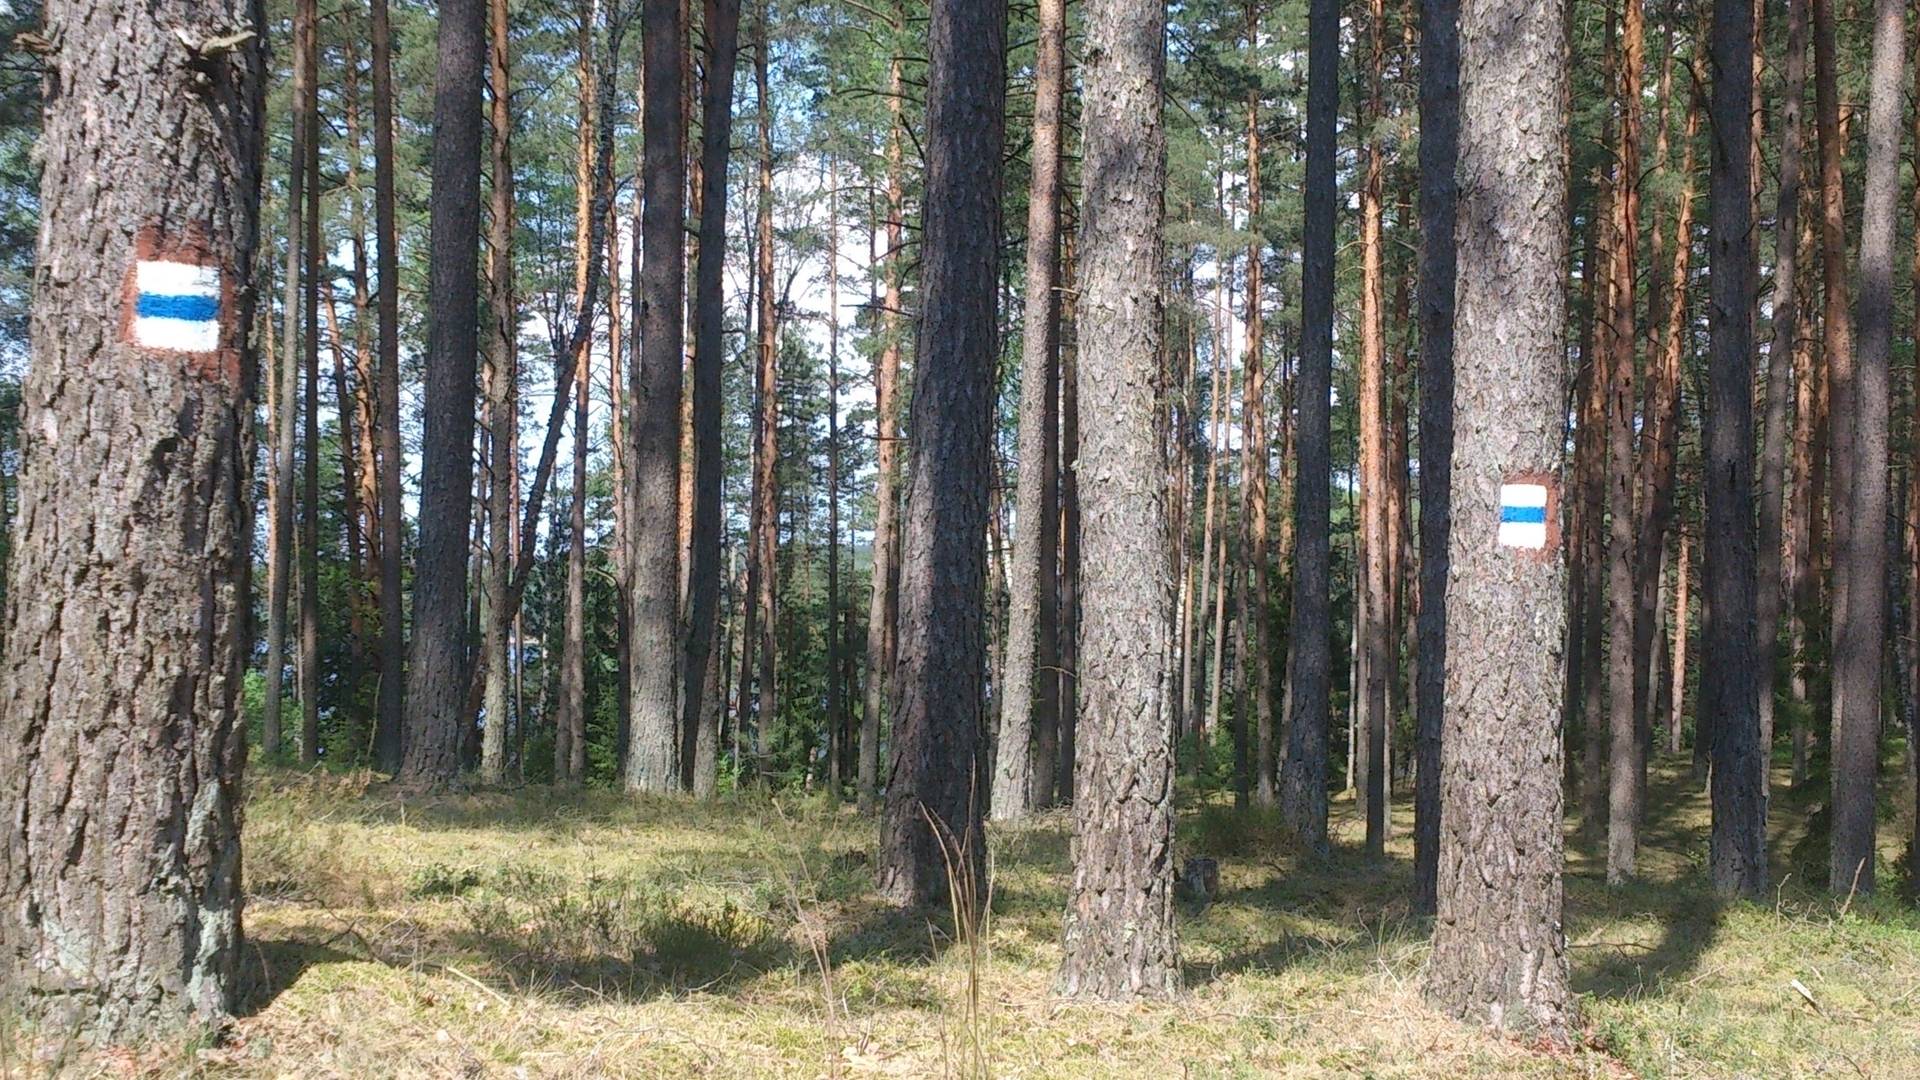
[533, 933]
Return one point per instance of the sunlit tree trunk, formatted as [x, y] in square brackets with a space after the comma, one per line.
[502, 401]
[122, 723]
[1862, 392]
[1119, 938]
[437, 667]
[1499, 950]
[1303, 779]
[1029, 687]
[935, 791]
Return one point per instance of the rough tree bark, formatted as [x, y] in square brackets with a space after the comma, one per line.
[1374, 658]
[437, 664]
[700, 715]
[1303, 778]
[1737, 857]
[570, 712]
[1119, 939]
[1862, 395]
[655, 381]
[934, 790]
[883, 602]
[1625, 752]
[310, 256]
[1439, 149]
[502, 400]
[1499, 951]
[1253, 479]
[1029, 688]
[1787, 319]
[121, 721]
[762, 565]
[390, 727]
[286, 397]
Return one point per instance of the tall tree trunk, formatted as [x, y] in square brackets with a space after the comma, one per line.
[437, 665]
[701, 714]
[1029, 687]
[1660, 429]
[344, 410]
[1679, 686]
[1439, 193]
[1626, 752]
[1069, 613]
[309, 666]
[1119, 939]
[934, 792]
[1375, 662]
[1862, 397]
[570, 716]
[1590, 469]
[1912, 540]
[835, 687]
[1738, 857]
[659, 302]
[502, 372]
[1254, 478]
[762, 574]
[1809, 471]
[883, 601]
[1303, 778]
[1499, 952]
[286, 395]
[122, 726]
[389, 729]
[1787, 319]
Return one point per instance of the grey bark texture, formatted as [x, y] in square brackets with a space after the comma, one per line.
[1737, 845]
[1030, 688]
[437, 663]
[936, 773]
[1499, 949]
[1861, 399]
[1120, 942]
[121, 726]
[1303, 777]
[700, 710]
[1439, 192]
[659, 299]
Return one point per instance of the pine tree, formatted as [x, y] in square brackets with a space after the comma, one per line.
[133, 512]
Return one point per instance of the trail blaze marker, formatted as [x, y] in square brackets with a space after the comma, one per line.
[177, 306]
[1523, 515]
[179, 301]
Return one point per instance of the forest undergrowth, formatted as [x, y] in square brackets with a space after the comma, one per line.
[534, 933]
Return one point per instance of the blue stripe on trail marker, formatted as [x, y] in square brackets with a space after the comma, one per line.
[190, 308]
[1523, 515]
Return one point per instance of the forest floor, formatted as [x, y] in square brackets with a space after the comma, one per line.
[536, 934]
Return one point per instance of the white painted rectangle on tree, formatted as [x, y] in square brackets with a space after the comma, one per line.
[1523, 516]
[177, 307]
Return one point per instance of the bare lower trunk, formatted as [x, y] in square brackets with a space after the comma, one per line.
[653, 763]
[1737, 856]
[122, 728]
[1499, 952]
[1303, 778]
[437, 662]
[1439, 149]
[935, 790]
[1119, 936]
[1862, 396]
[1029, 688]
[882, 601]
[502, 401]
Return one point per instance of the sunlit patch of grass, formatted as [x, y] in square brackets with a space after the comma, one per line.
[541, 934]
